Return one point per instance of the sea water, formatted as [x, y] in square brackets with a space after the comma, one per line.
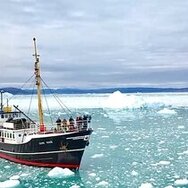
[139, 141]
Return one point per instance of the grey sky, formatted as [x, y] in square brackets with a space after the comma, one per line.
[95, 43]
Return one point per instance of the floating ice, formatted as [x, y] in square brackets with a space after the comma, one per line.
[134, 163]
[58, 172]
[92, 174]
[113, 147]
[146, 185]
[75, 186]
[7, 166]
[181, 127]
[181, 182]
[169, 186]
[134, 173]
[97, 178]
[185, 152]
[24, 175]
[101, 128]
[167, 111]
[104, 136]
[119, 100]
[102, 184]
[9, 183]
[97, 156]
[163, 163]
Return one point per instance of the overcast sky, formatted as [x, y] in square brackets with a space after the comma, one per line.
[95, 43]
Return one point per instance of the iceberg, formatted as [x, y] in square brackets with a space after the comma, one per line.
[58, 172]
[9, 183]
[120, 100]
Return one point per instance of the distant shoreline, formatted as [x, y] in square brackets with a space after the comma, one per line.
[17, 91]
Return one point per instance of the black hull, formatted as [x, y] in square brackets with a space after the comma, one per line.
[62, 150]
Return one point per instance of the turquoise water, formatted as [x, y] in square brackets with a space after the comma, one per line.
[131, 147]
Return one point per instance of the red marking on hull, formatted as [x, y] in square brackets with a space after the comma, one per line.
[39, 164]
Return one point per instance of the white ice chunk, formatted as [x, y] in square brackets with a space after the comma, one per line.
[167, 111]
[113, 146]
[181, 182]
[24, 175]
[181, 127]
[92, 174]
[164, 163]
[97, 178]
[146, 185]
[169, 186]
[9, 183]
[58, 172]
[134, 173]
[185, 152]
[75, 186]
[6, 166]
[97, 156]
[102, 184]
[120, 100]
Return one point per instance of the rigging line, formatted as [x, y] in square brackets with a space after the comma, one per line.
[57, 98]
[24, 114]
[22, 87]
[47, 106]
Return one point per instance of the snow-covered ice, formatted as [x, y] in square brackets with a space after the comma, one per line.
[58, 172]
[146, 185]
[167, 111]
[181, 182]
[102, 184]
[9, 184]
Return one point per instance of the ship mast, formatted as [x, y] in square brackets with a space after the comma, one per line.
[38, 84]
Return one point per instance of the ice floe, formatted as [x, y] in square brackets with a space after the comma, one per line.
[113, 147]
[181, 127]
[183, 153]
[75, 186]
[181, 182]
[7, 166]
[92, 174]
[146, 185]
[134, 173]
[9, 183]
[97, 155]
[167, 111]
[163, 163]
[58, 172]
[102, 184]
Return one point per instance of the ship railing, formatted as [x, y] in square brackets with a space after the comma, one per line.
[71, 126]
[29, 131]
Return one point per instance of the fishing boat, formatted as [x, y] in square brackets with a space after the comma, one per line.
[34, 143]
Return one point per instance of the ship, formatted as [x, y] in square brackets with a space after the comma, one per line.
[34, 142]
